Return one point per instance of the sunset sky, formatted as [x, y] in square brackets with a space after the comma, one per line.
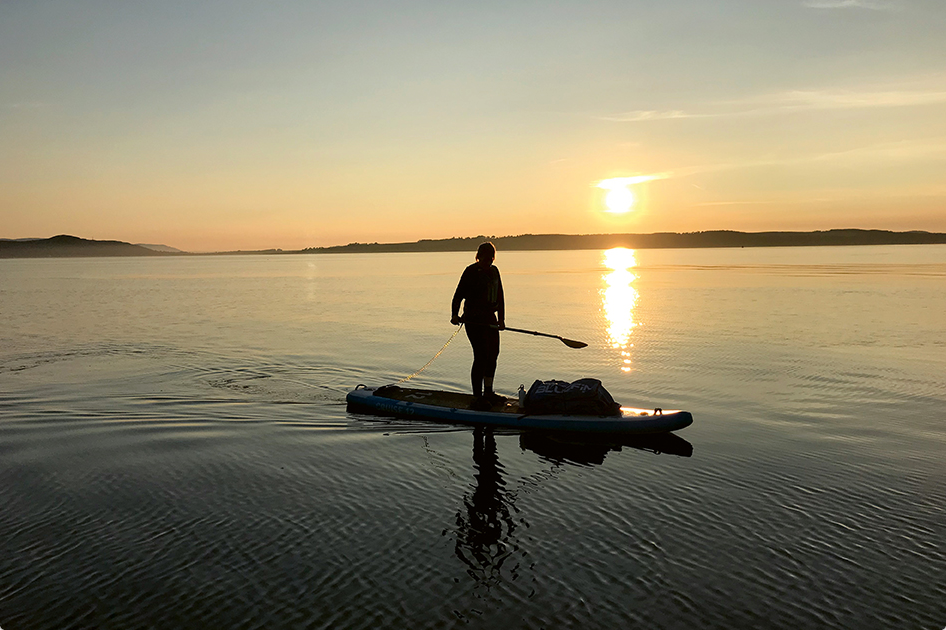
[248, 125]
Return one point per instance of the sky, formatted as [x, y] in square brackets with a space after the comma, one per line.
[225, 125]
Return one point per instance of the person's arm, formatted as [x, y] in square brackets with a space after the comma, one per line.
[457, 298]
[500, 303]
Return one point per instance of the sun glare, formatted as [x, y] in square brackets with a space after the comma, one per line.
[619, 198]
[619, 300]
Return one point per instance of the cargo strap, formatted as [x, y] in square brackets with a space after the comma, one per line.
[452, 337]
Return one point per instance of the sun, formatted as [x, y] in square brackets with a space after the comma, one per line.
[619, 199]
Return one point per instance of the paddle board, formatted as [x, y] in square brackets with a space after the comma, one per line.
[454, 407]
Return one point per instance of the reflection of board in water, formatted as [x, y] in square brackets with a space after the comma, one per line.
[591, 450]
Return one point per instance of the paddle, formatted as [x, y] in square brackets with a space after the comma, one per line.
[571, 343]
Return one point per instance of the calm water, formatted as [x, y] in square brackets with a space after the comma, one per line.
[175, 450]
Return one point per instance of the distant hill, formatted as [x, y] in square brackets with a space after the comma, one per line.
[717, 238]
[71, 246]
[161, 248]
[63, 246]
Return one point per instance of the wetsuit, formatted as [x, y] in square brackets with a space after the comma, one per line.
[481, 291]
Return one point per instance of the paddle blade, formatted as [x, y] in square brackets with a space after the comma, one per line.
[571, 343]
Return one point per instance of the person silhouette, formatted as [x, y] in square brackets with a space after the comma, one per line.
[484, 314]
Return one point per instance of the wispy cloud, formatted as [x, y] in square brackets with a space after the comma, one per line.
[797, 101]
[888, 151]
[640, 115]
[621, 182]
[873, 5]
[733, 203]
[882, 153]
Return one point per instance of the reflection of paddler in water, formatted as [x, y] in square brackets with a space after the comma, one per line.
[485, 527]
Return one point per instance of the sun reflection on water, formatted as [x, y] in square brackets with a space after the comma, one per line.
[619, 299]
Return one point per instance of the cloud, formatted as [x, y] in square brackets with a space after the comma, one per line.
[620, 182]
[791, 101]
[801, 100]
[873, 5]
[927, 148]
[641, 115]
[871, 155]
[733, 203]
[880, 153]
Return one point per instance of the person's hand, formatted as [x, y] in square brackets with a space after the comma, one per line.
[455, 320]
[502, 325]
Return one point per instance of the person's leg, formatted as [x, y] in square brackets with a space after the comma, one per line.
[476, 379]
[475, 335]
[491, 354]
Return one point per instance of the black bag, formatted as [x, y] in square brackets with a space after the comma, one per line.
[586, 396]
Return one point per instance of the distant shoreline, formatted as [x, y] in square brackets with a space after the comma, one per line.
[659, 240]
[64, 246]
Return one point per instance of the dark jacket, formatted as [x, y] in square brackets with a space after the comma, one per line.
[481, 291]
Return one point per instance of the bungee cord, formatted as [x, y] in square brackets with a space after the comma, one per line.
[426, 365]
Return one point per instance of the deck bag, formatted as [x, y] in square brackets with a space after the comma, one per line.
[585, 396]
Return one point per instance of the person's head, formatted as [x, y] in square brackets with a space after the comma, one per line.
[486, 254]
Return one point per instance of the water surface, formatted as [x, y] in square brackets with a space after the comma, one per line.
[175, 449]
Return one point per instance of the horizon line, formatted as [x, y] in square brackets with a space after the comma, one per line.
[552, 241]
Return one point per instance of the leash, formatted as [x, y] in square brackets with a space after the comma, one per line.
[426, 365]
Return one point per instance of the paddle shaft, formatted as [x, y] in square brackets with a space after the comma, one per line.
[571, 343]
[532, 332]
